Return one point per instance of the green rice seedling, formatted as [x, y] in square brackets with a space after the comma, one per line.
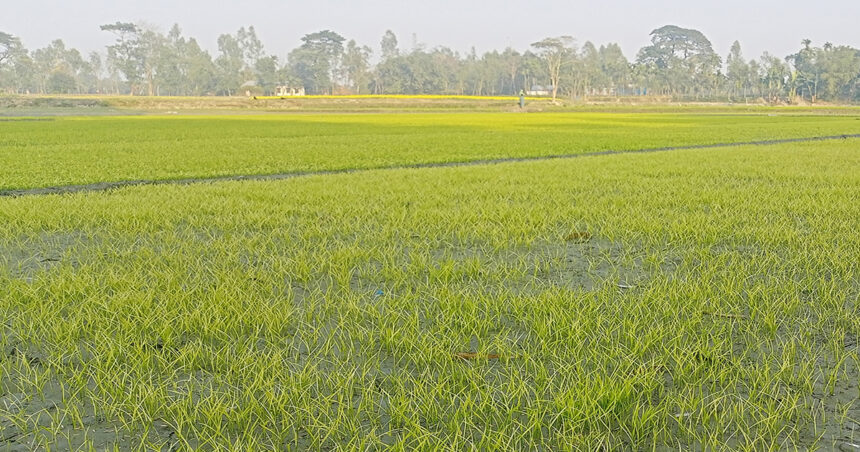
[713, 306]
[98, 150]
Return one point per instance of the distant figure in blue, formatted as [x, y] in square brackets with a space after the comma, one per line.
[522, 98]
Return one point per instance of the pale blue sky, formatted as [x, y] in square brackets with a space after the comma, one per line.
[776, 26]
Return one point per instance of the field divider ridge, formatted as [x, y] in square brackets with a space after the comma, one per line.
[104, 186]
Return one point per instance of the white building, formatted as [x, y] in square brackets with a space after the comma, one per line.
[538, 90]
[285, 91]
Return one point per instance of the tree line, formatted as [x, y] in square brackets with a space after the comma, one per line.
[679, 63]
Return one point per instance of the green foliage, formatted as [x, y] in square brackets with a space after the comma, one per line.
[128, 54]
[680, 64]
[59, 69]
[557, 54]
[712, 305]
[316, 62]
[830, 73]
[738, 72]
[15, 65]
[61, 83]
[356, 67]
[87, 150]
[8, 43]
[388, 45]
[681, 60]
[774, 76]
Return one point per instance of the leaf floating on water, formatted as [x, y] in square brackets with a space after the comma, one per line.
[578, 236]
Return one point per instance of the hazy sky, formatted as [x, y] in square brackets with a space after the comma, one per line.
[775, 26]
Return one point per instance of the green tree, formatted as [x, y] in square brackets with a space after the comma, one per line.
[96, 69]
[840, 72]
[61, 83]
[496, 73]
[316, 61]
[807, 72]
[753, 82]
[448, 70]
[356, 65]
[9, 46]
[589, 76]
[157, 59]
[251, 47]
[127, 54]
[199, 69]
[229, 65]
[389, 45]
[239, 59]
[556, 54]
[170, 64]
[513, 61]
[182, 67]
[474, 77]
[615, 67]
[532, 70]
[386, 74]
[774, 76]
[737, 71]
[56, 64]
[16, 68]
[681, 60]
[268, 74]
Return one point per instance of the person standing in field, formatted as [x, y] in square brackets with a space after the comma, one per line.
[522, 98]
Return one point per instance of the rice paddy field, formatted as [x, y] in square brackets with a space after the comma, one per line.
[687, 299]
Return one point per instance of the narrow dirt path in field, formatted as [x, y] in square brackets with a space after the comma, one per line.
[102, 186]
